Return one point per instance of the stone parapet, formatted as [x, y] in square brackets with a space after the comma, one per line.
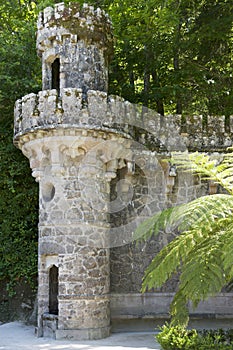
[47, 110]
[156, 305]
[144, 312]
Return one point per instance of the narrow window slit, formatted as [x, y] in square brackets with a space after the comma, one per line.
[56, 75]
[53, 290]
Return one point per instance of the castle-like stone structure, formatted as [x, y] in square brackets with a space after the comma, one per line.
[99, 163]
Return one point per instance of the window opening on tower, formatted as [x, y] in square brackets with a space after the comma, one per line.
[53, 290]
[56, 75]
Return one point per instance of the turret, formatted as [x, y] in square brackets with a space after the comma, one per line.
[52, 129]
[75, 45]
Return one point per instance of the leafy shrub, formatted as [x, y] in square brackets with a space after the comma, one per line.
[178, 337]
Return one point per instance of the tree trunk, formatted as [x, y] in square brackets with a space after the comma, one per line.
[131, 81]
[176, 65]
[178, 96]
[158, 100]
[146, 88]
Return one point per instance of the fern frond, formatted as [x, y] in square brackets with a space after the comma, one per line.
[200, 255]
[203, 272]
[202, 278]
[207, 167]
[179, 309]
[202, 210]
[152, 225]
[168, 260]
[228, 252]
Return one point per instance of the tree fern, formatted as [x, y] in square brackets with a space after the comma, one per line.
[204, 249]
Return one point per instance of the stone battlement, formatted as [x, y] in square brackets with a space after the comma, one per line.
[73, 23]
[99, 111]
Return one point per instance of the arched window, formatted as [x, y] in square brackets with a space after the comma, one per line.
[56, 74]
[53, 290]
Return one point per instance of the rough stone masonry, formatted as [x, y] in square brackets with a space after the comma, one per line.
[98, 160]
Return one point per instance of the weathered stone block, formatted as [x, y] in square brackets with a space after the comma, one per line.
[71, 104]
[83, 334]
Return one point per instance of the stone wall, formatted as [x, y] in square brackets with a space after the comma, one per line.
[140, 312]
[48, 110]
[128, 262]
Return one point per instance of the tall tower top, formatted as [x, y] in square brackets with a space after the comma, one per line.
[75, 44]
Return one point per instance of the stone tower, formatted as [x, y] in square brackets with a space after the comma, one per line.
[75, 44]
[52, 129]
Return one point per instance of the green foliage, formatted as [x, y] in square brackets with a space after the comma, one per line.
[19, 70]
[18, 217]
[218, 169]
[19, 66]
[178, 337]
[161, 57]
[174, 56]
[202, 253]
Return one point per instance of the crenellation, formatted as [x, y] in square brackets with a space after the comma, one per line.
[97, 106]
[73, 110]
[71, 104]
[48, 14]
[89, 23]
[193, 124]
[216, 127]
[59, 10]
[47, 105]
